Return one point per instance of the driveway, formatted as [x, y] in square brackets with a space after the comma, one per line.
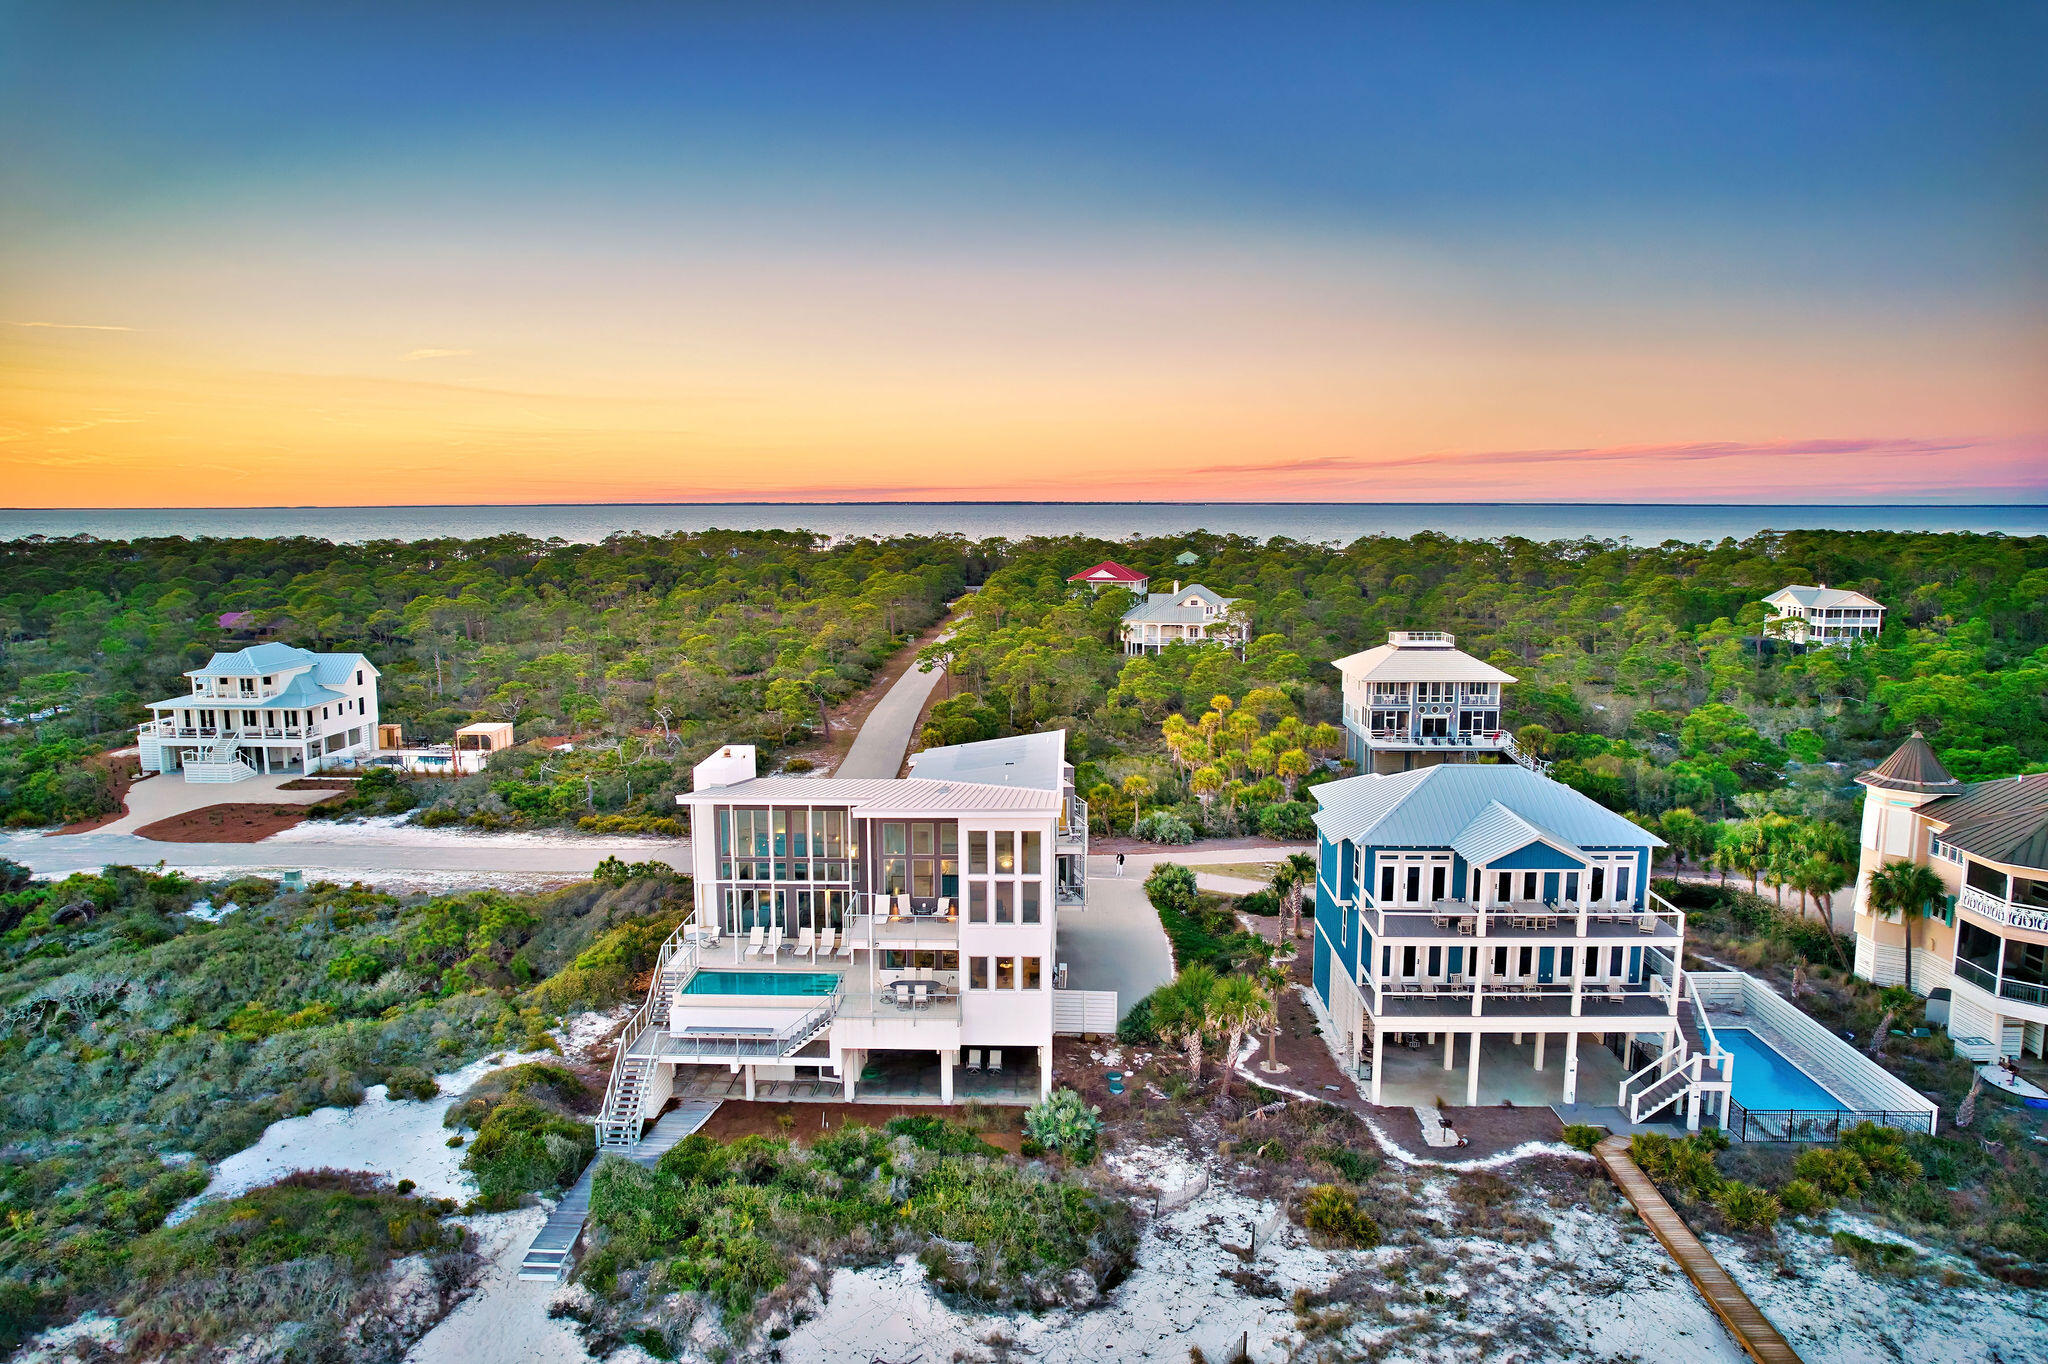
[1116, 943]
[160, 797]
[884, 738]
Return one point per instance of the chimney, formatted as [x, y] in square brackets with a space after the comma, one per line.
[1176, 587]
[730, 764]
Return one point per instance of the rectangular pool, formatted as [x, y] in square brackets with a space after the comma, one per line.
[1765, 1082]
[811, 983]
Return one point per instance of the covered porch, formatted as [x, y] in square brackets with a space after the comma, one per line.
[1418, 1069]
[886, 1077]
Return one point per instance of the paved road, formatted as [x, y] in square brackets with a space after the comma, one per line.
[351, 853]
[884, 738]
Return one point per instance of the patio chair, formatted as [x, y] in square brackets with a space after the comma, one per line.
[1646, 924]
[995, 1063]
[901, 909]
[756, 940]
[920, 995]
[1614, 995]
[806, 940]
[946, 910]
[974, 1059]
[1467, 927]
[825, 940]
[774, 942]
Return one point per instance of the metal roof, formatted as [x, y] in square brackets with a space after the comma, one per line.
[1392, 662]
[1431, 806]
[2003, 820]
[301, 693]
[1108, 571]
[1911, 767]
[1821, 596]
[1035, 760]
[1166, 608]
[264, 660]
[1497, 831]
[878, 795]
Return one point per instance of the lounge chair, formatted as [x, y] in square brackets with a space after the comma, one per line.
[901, 908]
[756, 940]
[920, 995]
[1646, 924]
[974, 1059]
[846, 943]
[825, 939]
[1614, 995]
[806, 940]
[995, 1063]
[774, 942]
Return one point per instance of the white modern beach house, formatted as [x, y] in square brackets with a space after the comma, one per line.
[1489, 912]
[1186, 615]
[269, 708]
[854, 939]
[1419, 700]
[1823, 615]
[1986, 941]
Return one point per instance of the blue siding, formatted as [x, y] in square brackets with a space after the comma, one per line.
[1322, 966]
[1535, 857]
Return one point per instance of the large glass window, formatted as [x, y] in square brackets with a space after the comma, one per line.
[1027, 903]
[977, 853]
[1986, 879]
[1006, 854]
[1977, 947]
[1006, 973]
[1006, 902]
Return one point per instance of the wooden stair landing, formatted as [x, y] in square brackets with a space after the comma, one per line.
[1750, 1327]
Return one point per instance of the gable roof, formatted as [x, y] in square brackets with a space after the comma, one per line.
[1033, 760]
[876, 795]
[1821, 596]
[258, 660]
[1109, 571]
[1391, 662]
[1497, 831]
[1911, 767]
[1187, 556]
[1431, 806]
[1165, 607]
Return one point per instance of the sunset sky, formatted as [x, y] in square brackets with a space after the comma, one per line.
[505, 253]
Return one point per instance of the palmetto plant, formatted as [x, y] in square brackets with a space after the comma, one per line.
[1906, 889]
[1290, 883]
[1180, 1011]
[1237, 1005]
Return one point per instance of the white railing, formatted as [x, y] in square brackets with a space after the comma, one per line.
[680, 949]
[2002, 910]
[164, 729]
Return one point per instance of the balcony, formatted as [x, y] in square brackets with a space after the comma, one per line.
[2021, 914]
[2032, 994]
[1422, 1001]
[1073, 826]
[165, 730]
[1471, 741]
[1455, 921]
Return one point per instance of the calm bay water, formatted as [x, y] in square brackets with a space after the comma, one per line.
[1340, 522]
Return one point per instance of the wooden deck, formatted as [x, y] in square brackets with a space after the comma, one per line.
[1751, 1328]
[554, 1246]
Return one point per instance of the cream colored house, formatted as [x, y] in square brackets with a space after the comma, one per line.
[1987, 944]
[1823, 615]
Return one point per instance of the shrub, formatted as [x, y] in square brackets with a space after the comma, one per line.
[1332, 1211]
[1065, 1122]
[1801, 1198]
[1875, 1257]
[1882, 1151]
[1292, 821]
[1136, 1028]
[1346, 1162]
[933, 1133]
[1584, 1136]
[1171, 889]
[1747, 1207]
[1836, 1173]
[1263, 903]
[798, 765]
[525, 1148]
[1163, 826]
[410, 1082]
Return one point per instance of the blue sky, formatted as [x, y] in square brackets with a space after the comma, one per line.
[1340, 238]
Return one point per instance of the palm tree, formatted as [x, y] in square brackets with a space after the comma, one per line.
[1905, 889]
[1236, 1006]
[1180, 1012]
[1206, 782]
[1292, 766]
[1290, 882]
[1137, 788]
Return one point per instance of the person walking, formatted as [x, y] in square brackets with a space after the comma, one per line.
[1119, 864]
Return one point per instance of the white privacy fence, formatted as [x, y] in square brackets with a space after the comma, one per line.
[1082, 1012]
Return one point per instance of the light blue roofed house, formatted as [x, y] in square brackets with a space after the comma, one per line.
[268, 709]
[1187, 615]
[1480, 910]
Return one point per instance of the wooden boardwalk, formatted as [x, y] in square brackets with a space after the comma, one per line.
[1751, 1328]
[554, 1245]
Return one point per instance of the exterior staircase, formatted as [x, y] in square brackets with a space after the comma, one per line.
[1693, 1068]
[1524, 756]
[221, 763]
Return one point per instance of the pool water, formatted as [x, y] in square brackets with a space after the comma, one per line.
[816, 983]
[1765, 1081]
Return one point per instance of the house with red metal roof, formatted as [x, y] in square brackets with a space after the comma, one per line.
[1110, 573]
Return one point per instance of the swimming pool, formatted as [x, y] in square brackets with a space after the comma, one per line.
[814, 983]
[1764, 1081]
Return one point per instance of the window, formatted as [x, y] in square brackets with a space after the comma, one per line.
[1528, 885]
[1030, 837]
[1528, 959]
[1504, 887]
[1436, 961]
[1592, 961]
[1571, 886]
[1614, 962]
[977, 973]
[1500, 961]
[359, 677]
[1027, 906]
[1006, 973]
[977, 902]
[1030, 976]
[1621, 884]
[1006, 902]
[1006, 857]
[1439, 879]
[1408, 960]
[1599, 883]
[1386, 885]
[1414, 884]
[977, 853]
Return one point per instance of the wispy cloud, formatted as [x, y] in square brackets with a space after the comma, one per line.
[435, 353]
[1873, 447]
[73, 326]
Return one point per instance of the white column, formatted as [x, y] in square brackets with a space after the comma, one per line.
[946, 1059]
[1450, 1047]
[749, 1072]
[1578, 965]
[1378, 1055]
[1045, 1071]
[1571, 1066]
[1472, 1079]
[1479, 968]
[1541, 1037]
[850, 1063]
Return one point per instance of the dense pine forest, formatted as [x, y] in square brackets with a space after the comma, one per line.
[1645, 674]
